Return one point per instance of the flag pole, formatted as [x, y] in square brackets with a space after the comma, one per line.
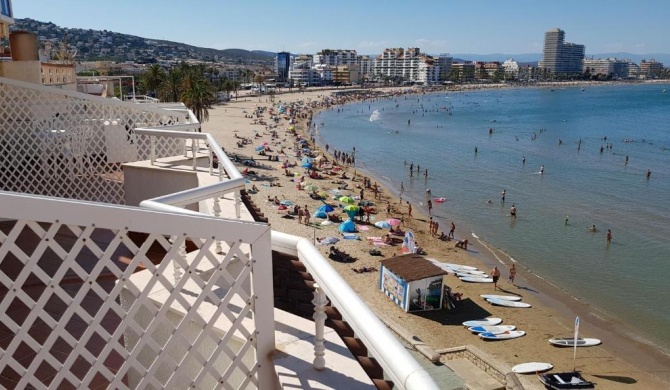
[574, 354]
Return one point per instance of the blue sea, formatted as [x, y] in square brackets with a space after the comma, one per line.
[583, 137]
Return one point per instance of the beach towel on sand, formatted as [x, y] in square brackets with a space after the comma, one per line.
[350, 236]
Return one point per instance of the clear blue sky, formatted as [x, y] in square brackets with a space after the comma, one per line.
[369, 26]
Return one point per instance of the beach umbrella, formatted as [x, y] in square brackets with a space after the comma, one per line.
[351, 210]
[259, 148]
[394, 221]
[291, 128]
[347, 226]
[307, 160]
[320, 214]
[347, 200]
[311, 187]
[323, 194]
[326, 208]
[382, 225]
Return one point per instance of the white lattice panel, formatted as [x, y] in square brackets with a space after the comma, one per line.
[74, 315]
[72, 145]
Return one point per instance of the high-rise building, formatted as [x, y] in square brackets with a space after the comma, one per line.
[560, 57]
[282, 65]
[6, 17]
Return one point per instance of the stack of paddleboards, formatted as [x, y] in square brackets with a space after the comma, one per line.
[490, 329]
[505, 300]
[465, 273]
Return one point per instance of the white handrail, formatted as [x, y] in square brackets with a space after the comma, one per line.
[397, 363]
[170, 201]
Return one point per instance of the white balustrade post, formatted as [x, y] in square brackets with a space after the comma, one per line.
[217, 213]
[320, 301]
[211, 159]
[152, 150]
[194, 150]
[263, 308]
[220, 171]
[238, 201]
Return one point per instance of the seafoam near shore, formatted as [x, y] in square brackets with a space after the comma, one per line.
[551, 315]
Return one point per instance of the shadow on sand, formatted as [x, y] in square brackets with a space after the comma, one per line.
[465, 310]
[616, 378]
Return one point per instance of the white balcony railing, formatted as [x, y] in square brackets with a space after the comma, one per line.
[142, 341]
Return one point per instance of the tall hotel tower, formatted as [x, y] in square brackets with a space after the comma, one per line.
[559, 57]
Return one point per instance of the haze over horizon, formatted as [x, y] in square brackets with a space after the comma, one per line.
[483, 27]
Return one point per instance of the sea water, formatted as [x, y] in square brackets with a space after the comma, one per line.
[473, 145]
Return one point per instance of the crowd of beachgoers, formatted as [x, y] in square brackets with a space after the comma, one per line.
[291, 177]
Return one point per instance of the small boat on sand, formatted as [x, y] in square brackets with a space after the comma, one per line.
[565, 380]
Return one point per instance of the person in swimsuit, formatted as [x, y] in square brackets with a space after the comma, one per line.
[495, 275]
[512, 212]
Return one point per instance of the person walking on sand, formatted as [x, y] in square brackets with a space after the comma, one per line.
[452, 229]
[495, 275]
[512, 274]
[609, 236]
[306, 215]
[430, 207]
[409, 209]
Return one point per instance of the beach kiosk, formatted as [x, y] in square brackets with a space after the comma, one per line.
[412, 282]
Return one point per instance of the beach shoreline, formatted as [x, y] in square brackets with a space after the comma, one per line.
[552, 306]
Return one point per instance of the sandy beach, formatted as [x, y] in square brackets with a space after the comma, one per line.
[242, 126]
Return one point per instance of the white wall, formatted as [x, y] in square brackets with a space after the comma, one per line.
[146, 182]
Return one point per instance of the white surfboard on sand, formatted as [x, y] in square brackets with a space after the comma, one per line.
[503, 302]
[483, 322]
[470, 275]
[532, 367]
[491, 328]
[570, 342]
[473, 279]
[503, 297]
[502, 336]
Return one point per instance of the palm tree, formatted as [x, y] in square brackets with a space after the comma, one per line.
[171, 88]
[153, 78]
[199, 96]
[197, 93]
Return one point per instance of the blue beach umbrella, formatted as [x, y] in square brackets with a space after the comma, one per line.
[383, 225]
[347, 226]
[326, 208]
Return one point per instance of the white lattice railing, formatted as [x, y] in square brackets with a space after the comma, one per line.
[171, 329]
[154, 329]
[68, 144]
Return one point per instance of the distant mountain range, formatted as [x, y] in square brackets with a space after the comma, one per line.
[536, 57]
[108, 45]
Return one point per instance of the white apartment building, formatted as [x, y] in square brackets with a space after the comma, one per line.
[511, 68]
[607, 66]
[409, 64]
[302, 73]
[341, 57]
[324, 73]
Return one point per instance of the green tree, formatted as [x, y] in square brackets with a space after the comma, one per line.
[199, 96]
[153, 78]
[171, 87]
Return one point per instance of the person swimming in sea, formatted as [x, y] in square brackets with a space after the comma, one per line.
[592, 228]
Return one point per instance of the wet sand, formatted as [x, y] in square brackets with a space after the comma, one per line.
[620, 362]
